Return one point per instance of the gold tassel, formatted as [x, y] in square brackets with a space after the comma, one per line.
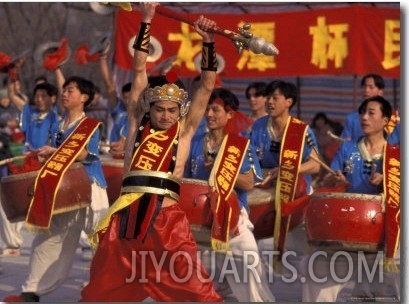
[277, 266]
[219, 246]
[310, 247]
[127, 6]
[32, 229]
[390, 265]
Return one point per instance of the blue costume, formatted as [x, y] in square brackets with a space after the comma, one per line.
[35, 127]
[119, 117]
[352, 127]
[201, 129]
[268, 150]
[355, 163]
[195, 166]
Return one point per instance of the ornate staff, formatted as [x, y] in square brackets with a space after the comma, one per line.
[243, 40]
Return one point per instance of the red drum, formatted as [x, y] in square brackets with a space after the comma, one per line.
[262, 212]
[195, 201]
[113, 171]
[262, 209]
[17, 191]
[346, 221]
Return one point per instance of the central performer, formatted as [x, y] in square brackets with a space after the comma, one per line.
[145, 228]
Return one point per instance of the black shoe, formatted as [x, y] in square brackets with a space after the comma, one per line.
[30, 297]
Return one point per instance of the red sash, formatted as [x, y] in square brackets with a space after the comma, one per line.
[223, 178]
[154, 154]
[52, 172]
[290, 161]
[391, 186]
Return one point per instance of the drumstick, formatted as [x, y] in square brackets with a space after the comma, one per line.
[373, 170]
[324, 165]
[332, 135]
[104, 145]
[11, 159]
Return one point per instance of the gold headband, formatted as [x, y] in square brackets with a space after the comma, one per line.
[168, 91]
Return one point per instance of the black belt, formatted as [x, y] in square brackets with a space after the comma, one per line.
[151, 184]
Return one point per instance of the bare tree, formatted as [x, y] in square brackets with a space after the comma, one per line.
[24, 26]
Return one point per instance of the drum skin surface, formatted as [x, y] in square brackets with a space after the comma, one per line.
[113, 170]
[17, 191]
[345, 221]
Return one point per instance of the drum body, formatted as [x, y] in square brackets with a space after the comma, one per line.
[17, 191]
[195, 201]
[113, 171]
[262, 212]
[345, 221]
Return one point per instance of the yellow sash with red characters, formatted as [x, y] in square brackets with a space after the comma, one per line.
[391, 186]
[290, 162]
[52, 172]
[223, 178]
[151, 155]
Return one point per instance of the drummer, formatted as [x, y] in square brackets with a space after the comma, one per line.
[284, 145]
[360, 164]
[208, 157]
[75, 138]
[35, 127]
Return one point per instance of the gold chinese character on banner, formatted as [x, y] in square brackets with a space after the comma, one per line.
[190, 45]
[392, 44]
[329, 43]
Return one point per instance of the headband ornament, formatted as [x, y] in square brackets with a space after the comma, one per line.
[168, 91]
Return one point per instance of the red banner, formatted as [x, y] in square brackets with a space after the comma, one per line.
[341, 41]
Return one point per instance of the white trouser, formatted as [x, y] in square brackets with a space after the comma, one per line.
[380, 290]
[99, 205]
[247, 279]
[53, 251]
[327, 272]
[296, 247]
[10, 233]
